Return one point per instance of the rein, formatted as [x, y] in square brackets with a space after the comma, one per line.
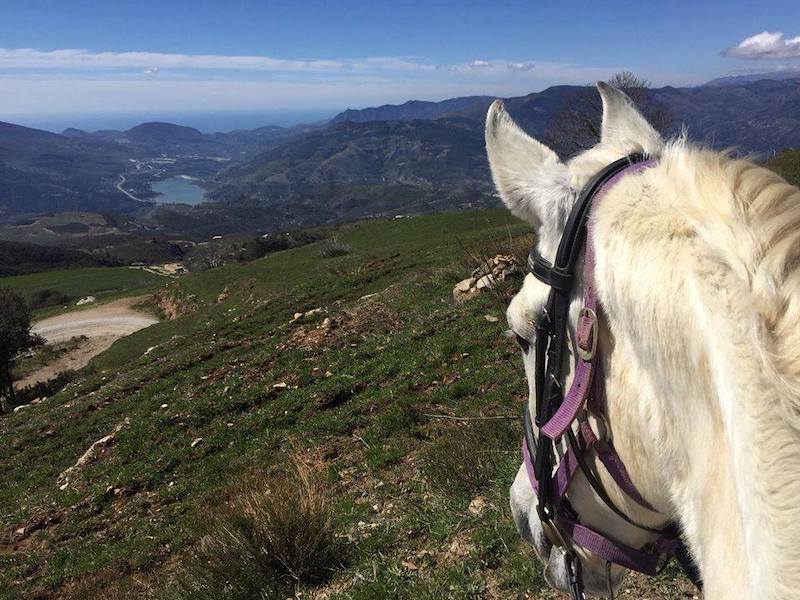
[556, 412]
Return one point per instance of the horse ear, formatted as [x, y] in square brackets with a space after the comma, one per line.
[523, 169]
[624, 128]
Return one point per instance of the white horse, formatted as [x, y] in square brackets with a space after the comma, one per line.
[698, 273]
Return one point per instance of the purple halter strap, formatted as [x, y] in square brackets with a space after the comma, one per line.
[587, 391]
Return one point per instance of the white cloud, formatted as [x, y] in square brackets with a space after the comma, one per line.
[766, 45]
[522, 66]
[29, 58]
[80, 81]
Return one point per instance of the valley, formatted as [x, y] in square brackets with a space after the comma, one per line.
[418, 157]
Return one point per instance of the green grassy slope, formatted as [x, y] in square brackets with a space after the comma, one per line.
[410, 401]
[103, 282]
[787, 164]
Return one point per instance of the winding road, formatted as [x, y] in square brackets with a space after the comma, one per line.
[126, 192]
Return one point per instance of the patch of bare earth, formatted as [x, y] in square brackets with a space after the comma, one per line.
[101, 326]
[323, 327]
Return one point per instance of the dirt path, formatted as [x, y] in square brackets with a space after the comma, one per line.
[102, 326]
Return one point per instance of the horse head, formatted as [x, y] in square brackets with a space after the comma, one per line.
[694, 260]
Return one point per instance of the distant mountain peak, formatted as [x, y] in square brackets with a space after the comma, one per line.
[413, 109]
[159, 129]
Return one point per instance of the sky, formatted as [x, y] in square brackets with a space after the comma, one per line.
[110, 63]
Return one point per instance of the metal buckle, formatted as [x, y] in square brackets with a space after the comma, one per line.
[588, 355]
[553, 535]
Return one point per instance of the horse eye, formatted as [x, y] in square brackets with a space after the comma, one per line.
[523, 343]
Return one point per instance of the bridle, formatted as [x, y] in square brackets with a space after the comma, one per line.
[556, 412]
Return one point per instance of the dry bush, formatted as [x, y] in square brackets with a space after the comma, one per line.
[271, 540]
[333, 246]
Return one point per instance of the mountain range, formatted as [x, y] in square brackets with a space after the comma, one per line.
[414, 157]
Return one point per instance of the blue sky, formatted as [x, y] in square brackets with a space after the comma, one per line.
[97, 59]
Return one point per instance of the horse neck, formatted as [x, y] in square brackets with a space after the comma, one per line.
[762, 462]
[743, 515]
[699, 285]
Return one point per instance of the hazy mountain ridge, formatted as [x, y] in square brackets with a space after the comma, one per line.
[413, 157]
[42, 171]
[793, 73]
[755, 116]
[351, 170]
[413, 109]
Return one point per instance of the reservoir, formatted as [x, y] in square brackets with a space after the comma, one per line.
[178, 190]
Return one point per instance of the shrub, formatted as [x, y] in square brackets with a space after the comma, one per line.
[45, 389]
[45, 298]
[334, 247]
[271, 540]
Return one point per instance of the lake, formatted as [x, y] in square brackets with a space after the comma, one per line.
[178, 190]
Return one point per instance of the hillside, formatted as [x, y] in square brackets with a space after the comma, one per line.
[17, 258]
[787, 164]
[356, 170]
[408, 403]
[754, 116]
[42, 171]
[424, 157]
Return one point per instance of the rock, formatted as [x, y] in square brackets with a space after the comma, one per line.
[477, 506]
[86, 300]
[20, 407]
[281, 385]
[195, 441]
[298, 316]
[464, 289]
[485, 276]
[464, 285]
[149, 350]
[486, 281]
[491, 318]
[224, 295]
[410, 565]
[90, 455]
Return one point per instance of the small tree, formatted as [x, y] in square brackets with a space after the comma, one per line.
[576, 126]
[15, 337]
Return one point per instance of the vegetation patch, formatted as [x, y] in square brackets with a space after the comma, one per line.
[271, 540]
[470, 456]
[332, 247]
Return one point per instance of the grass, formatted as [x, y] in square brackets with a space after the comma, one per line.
[390, 384]
[102, 282]
[272, 539]
[787, 164]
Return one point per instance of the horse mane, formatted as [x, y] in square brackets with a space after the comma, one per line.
[747, 219]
